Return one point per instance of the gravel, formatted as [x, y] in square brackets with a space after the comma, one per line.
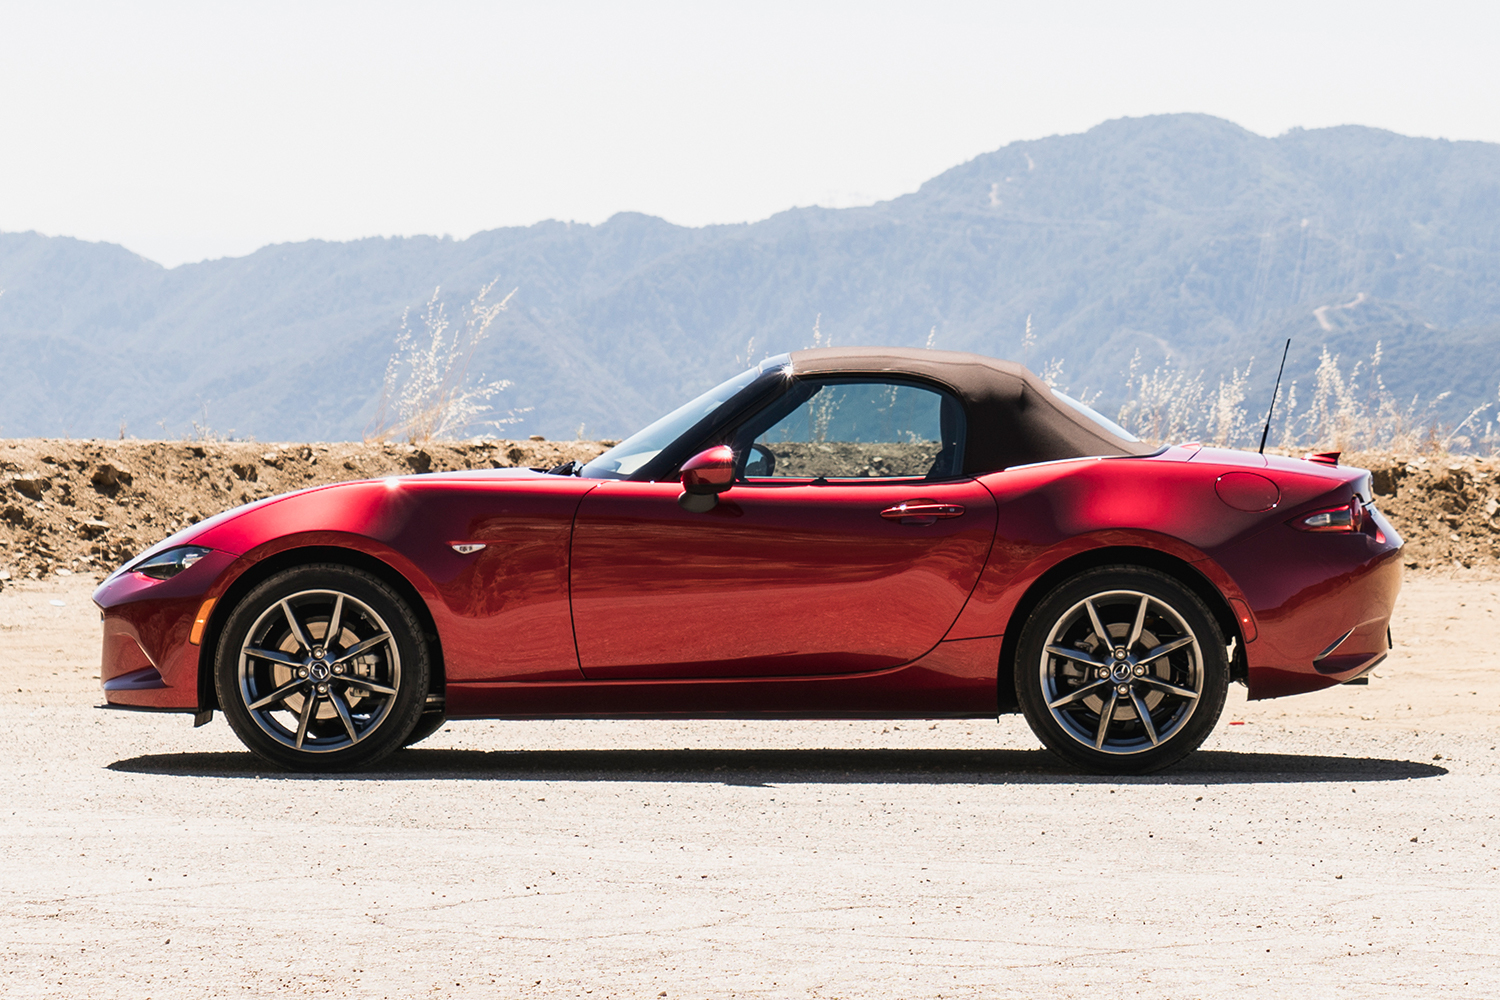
[1338, 844]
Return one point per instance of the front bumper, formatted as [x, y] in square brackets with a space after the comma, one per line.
[147, 660]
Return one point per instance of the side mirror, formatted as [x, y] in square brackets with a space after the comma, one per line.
[704, 477]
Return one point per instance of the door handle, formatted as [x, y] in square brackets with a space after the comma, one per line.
[921, 511]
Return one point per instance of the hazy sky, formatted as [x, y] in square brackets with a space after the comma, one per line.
[195, 130]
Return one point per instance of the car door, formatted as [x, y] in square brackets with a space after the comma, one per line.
[850, 544]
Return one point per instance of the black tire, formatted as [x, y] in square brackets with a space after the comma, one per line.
[427, 724]
[304, 703]
[1140, 702]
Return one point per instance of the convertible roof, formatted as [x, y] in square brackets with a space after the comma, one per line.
[1014, 418]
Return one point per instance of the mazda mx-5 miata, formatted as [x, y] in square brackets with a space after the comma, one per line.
[835, 533]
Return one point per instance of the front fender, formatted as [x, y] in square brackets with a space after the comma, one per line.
[501, 610]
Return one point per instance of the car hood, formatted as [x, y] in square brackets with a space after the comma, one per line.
[482, 474]
[190, 534]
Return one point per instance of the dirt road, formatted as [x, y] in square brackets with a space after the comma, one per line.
[1342, 844]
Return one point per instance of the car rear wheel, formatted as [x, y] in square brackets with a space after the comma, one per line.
[322, 668]
[1122, 670]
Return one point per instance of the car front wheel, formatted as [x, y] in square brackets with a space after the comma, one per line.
[429, 723]
[1122, 670]
[322, 668]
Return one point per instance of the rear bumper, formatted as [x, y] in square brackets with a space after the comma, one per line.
[1321, 603]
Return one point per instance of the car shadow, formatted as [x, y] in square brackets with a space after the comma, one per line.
[780, 767]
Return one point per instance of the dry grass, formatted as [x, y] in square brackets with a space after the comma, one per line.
[427, 395]
[1348, 411]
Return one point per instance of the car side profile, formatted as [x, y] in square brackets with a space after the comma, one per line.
[834, 533]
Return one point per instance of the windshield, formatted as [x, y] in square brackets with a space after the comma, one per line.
[1096, 417]
[641, 447]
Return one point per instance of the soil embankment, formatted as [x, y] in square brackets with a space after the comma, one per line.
[89, 505]
[1447, 507]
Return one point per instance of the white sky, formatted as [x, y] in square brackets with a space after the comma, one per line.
[196, 130]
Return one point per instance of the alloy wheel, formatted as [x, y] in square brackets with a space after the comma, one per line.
[1122, 672]
[319, 671]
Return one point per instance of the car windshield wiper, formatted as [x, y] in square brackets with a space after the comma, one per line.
[566, 469]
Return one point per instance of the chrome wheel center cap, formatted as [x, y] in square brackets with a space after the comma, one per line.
[319, 670]
[1121, 672]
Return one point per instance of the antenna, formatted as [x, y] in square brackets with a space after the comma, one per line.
[1274, 392]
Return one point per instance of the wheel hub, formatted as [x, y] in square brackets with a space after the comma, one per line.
[1112, 676]
[286, 671]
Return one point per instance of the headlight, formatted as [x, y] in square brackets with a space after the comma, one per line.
[165, 565]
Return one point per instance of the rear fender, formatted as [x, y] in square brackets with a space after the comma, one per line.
[1013, 601]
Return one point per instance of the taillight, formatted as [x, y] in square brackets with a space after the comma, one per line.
[1346, 519]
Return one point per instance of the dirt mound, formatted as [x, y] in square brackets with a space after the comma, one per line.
[75, 506]
[1446, 507]
[87, 506]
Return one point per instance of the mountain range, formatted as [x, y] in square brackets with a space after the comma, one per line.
[1174, 238]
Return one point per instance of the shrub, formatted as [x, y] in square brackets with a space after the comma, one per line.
[426, 394]
[1348, 412]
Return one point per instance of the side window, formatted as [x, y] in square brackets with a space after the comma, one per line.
[854, 429]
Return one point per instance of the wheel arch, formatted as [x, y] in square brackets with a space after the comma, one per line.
[1179, 569]
[303, 556]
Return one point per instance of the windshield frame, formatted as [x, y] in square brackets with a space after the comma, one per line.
[689, 429]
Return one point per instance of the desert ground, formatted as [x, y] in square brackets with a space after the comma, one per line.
[1334, 845]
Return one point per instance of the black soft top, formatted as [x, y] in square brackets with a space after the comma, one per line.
[1013, 417]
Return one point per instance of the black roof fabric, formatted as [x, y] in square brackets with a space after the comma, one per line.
[1014, 418]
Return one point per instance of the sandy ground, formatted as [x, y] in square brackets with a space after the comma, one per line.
[1330, 845]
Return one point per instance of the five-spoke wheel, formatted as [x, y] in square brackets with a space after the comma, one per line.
[1122, 669]
[322, 667]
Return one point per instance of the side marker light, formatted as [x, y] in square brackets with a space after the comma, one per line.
[1246, 619]
[195, 637]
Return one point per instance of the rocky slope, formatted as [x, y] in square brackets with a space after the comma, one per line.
[87, 506]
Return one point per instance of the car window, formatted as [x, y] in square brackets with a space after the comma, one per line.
[854, 429]
[1097, 417]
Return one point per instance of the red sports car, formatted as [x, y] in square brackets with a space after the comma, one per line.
[837, 533]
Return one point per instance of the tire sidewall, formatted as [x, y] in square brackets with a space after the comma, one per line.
[406, 633]
[1161, 587]
[427, 724]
